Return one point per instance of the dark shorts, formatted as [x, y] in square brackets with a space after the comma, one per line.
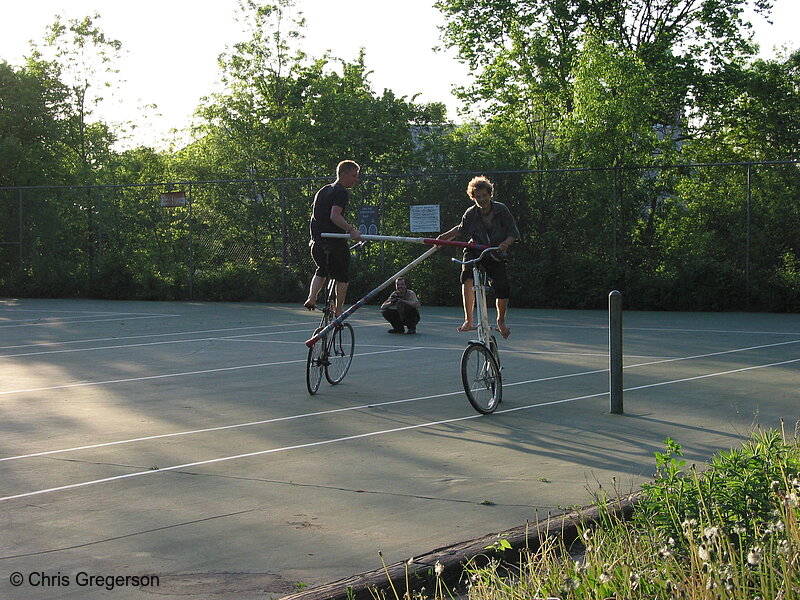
[498, 277]
[332, 260]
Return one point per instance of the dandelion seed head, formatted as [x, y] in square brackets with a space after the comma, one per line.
[688, 526]
[792, 500]
[784, 547]
[605, 577]
[438, 568]
[755, 556]
[572, 584]
[703, 553]
[634, 579]
[711, 533]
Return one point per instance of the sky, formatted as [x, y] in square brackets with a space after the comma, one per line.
[170, 48]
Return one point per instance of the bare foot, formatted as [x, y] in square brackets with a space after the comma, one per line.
[504, 331]
[466, 327]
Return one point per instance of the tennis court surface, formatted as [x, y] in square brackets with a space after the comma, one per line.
[174, 447]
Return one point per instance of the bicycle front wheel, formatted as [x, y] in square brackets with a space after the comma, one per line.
[481, 377]
[341, 344]
[315, 364]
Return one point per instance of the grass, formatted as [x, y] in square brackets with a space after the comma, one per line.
[728, 532]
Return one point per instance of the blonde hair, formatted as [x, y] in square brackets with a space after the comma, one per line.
[347, 166]
[478, 183]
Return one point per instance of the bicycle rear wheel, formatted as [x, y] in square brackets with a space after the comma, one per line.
[315, 363]
[341, 344]
[480, 374]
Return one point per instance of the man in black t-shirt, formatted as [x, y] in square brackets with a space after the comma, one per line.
[331, 256]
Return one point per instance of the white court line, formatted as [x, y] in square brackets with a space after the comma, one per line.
[259, 365]
[123, 346]
[459, 348]
[365, 435]
[98, 348]
[696, 377]
[719, 353]
[287, 418]
[75, 312]
[232, 338]
[353, 408]
[65, 322]
[660, 329]
[150, 335]
[183, 374]
[205, 339]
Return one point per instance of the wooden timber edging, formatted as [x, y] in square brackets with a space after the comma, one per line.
[419, 572]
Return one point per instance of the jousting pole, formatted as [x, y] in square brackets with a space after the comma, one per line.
[341, 318]
[388, 238]
[411, 240]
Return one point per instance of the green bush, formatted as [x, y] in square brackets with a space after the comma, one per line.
[738, 486]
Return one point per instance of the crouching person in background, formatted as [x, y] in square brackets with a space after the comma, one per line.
[401, 308]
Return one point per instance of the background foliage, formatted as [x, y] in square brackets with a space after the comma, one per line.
[637, 142]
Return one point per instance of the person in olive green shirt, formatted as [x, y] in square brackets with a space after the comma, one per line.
[489, 223]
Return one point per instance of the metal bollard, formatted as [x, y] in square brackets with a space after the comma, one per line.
[615, 351]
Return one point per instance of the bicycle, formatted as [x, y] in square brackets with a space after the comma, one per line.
[480, 362]
[333, 353]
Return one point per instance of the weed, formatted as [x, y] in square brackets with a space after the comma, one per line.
[730, 532]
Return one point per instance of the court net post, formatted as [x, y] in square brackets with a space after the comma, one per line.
[615, 351]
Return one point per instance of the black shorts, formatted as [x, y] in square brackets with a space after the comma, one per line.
[498, 277]
[332, 260]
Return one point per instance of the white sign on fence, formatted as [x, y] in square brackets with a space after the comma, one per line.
[425, 218]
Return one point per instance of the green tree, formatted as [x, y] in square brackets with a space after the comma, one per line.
[80, 56]
[524, 52]
[31, 127]
[285, 115]
[743, 215]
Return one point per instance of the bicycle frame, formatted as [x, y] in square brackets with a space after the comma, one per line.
[333, 355]
[480, 283]
[480, 363]
[338, 321]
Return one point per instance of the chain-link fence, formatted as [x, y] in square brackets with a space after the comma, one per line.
[688, 237]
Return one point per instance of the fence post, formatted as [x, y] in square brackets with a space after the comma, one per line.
[282, 194]
[615, 351]
[21, 221]
[747, 245]
[191, 244]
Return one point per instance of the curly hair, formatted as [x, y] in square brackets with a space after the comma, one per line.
[480, 183]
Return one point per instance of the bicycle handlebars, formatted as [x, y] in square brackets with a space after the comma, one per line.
[478, 258]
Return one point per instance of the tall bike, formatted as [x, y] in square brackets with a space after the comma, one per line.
[480, 362]
[333, 353]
